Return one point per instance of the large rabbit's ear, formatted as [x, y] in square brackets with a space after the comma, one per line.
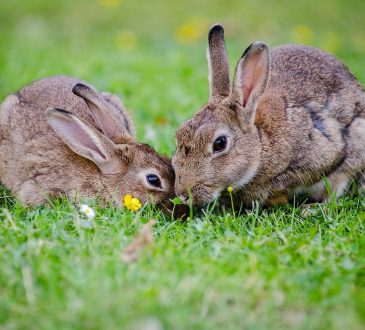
[251, 78]
[111, 123]
[86, 141]
[219, 80]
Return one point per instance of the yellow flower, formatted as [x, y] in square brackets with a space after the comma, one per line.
[230, 189]
[131, 203]
[192, 30]
[186, 34]
[302, 34]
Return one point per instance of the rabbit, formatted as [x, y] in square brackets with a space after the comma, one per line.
[294, 116]
[61, 137]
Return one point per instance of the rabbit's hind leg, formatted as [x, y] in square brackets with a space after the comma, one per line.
[335, 184]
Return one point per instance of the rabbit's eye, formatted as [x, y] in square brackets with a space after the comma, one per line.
[154, 180]
[220, 143]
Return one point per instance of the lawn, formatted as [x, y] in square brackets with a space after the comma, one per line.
[280, 268]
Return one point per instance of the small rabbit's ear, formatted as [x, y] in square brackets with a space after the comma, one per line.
[219, 80]
[112, 124]
[86, 141]
[251, 78]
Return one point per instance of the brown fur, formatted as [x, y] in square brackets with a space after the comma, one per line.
[36, 163]
[293, 117]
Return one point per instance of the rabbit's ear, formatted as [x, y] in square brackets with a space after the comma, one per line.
[85, 141]
[219, 80]
[112, 124]
[251, 78]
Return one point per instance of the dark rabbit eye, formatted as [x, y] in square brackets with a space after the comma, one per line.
[220, 143]
[154, 180]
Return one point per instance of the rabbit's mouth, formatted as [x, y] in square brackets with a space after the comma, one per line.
[201, 194]
[177, 211]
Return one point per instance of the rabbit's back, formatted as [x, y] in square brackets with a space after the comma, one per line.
[305, 73]
[310, 78]
[30, 151]
[37, 97]
[23, 120]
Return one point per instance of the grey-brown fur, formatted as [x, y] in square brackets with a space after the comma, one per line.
[219, 78]
[306, 122]
[36, 163]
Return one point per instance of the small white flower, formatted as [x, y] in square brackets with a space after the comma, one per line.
[88, 211]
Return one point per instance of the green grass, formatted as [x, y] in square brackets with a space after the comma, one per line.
[268, 269]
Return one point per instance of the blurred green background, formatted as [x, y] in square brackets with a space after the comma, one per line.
[152, 53]
[270, 269]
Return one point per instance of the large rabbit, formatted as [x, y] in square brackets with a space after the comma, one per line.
[59, 136]
[292, 117]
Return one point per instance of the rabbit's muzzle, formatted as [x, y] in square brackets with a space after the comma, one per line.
[199, 195]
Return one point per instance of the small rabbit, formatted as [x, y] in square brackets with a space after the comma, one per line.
[59, 136]
[292, 117]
